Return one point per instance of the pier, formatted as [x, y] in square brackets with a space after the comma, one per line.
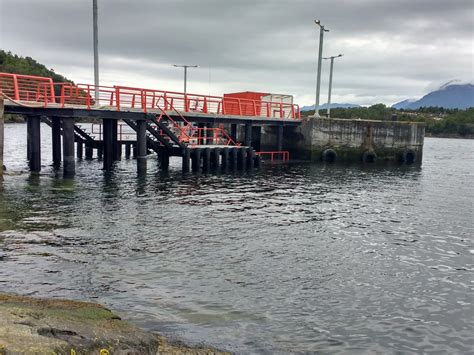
[206, 132]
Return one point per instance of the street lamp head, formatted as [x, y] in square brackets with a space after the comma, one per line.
[340, 55]
[317, 22]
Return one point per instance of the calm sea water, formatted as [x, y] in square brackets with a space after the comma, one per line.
[298, 258]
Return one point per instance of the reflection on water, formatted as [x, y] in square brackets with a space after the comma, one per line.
[298, 258]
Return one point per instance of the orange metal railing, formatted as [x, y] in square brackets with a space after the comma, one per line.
[283, 155]
[40, 89]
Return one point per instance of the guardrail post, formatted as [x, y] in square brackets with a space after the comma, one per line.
[69, 164]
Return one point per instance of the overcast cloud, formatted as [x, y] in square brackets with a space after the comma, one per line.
[392, 50]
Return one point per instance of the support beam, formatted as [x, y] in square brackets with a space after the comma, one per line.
[69, 164]
[34, 143]
[108, 143]
[56, 140]
[248, 135]
[141, 147]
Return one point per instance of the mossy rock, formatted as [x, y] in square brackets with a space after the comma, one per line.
[49, 326]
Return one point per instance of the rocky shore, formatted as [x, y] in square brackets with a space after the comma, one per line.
[49, 326]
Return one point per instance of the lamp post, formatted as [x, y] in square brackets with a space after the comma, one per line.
[328, 111]
[318, 81]
[185, 73]
[96, 51]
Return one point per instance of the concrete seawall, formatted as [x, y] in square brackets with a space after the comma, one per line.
[348, 140]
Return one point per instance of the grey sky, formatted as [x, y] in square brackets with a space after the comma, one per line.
[392, 49]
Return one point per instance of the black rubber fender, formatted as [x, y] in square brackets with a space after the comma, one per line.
[369, 157]
[408, 156]
[329, 156]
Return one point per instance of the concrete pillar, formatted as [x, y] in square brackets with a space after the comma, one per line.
[56, 140]
[89, 151]
[2, 133]
[206, 159]
[258, 161]
[79, 149]
[225, 158]
[196, 159]
[115, 144]
[69, 164]
[250, 158]
[215, 157]
[128, 149]
[248, 135]
[34, 143]
[233, 158]
[280, 138]
[186, 157]
[164, 159]
[141, 146]
[108, 143]
[241, 158]
[134, 150]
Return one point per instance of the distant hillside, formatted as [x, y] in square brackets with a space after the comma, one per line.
[12, 63]
[451, 95]
[325, 106]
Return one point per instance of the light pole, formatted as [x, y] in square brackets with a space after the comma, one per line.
[330, 82]
[96, 51]
[185, 73]
[318, 81]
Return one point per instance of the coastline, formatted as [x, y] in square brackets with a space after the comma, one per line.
[41, 325]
